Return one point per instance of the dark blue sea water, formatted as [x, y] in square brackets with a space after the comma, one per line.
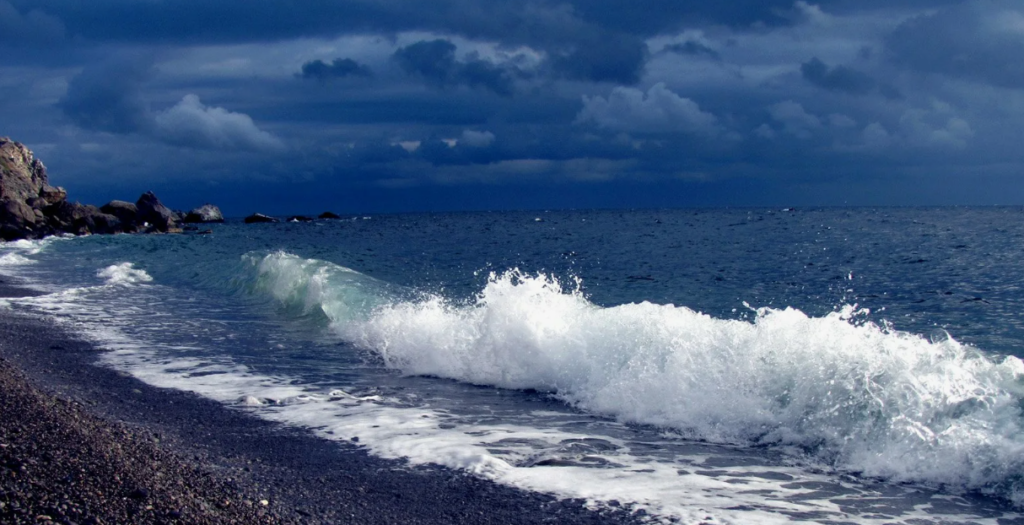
[720, 366]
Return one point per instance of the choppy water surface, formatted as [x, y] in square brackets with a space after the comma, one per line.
[720, 366]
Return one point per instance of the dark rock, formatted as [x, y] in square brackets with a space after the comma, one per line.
[48, 196]
[9, 232]
[259, 217]
[84, 218]
[105, 223]
[17, 213]
[152, 211]
[299, 218]
[62, 216]
[73, 217]
[329, 215]
[126, 212]
[205, 213]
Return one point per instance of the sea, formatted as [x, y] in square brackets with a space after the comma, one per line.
[719, 366]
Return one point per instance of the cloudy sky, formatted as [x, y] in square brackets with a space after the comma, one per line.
[287, 106]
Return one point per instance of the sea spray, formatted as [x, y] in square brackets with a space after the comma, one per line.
[860, 397]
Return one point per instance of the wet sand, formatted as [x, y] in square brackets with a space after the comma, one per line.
[83, 444]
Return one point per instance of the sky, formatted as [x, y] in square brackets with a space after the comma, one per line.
[287, 106]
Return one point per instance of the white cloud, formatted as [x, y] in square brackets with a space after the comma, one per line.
[794, 119]
[765, 131]
[838, 120]
[933, 129]
[812, 14]
[660, 110]
[190, 123]
[875, 136]
[409, 145]
[477, 139]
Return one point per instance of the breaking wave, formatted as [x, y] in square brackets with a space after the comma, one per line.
[858, 396]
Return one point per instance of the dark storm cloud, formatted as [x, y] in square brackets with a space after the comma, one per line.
[548, 24]
[224, 21]
[524, 90]
[604, 58]
[435, 61]
[692, 48]
[838, 78]
[339, 68]
[979, 41]
[107, 97]
[29, 27]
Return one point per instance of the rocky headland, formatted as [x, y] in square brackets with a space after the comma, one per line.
[30, 208]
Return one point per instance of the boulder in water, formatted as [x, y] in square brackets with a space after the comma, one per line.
[299, 218]
[329, 215]
[204, 213]
[259, 217]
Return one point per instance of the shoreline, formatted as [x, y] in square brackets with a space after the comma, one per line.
[87, 444]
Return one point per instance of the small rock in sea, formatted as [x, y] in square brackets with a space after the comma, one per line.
[299, 218]
[259, 217]
[329, 215]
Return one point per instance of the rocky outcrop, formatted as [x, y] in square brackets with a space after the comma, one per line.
[259, 217]
[31, 208]
[29, 174]
[25, 193]
[329, 215]
[204, 213]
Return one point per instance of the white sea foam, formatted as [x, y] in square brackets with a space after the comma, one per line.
[123, 274]
[859, 397]
[16, 252]
[14, 259]
[706, 493]
[18, 259]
